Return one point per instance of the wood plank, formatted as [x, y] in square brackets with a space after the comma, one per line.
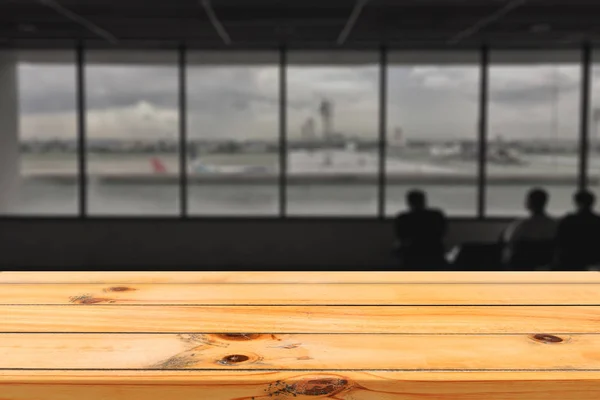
[383, 336]
[116, 277]
[278, 385]
[300, 352]
[294, 294]
[301, 319]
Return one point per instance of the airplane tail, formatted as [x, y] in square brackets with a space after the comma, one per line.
[157, 166]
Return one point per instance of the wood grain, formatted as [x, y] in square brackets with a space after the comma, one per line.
[118, 277]
[300, 352]
[301, 319]
[294, 294]
[304, 335]
[278, 385]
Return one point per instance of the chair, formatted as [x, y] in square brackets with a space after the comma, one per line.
[477, 256]
[530, 255]
[418, 260]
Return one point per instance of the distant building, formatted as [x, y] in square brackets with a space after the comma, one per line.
[326, 111]
[308, 129]
[398, 137]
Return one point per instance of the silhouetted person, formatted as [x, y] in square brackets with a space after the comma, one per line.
[420, 234]
[529, 242]
[578, 237]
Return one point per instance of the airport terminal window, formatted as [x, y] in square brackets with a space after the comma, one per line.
[533, 129]
[333, 132]
[233, 133]
[38, 102]
[432, 114]
[132, 132]
[593, 171]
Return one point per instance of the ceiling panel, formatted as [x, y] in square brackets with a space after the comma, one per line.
[432, 23]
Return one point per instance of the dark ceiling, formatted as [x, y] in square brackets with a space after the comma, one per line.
[300, 23]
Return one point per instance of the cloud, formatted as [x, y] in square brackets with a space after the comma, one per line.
[455, 78]
[53, 125]
[353, 92]
[230, 91]
[532, 84]
[233, 102]
[535, 101]
[243, 101]
[125, 86]
[141, 120]
[433, 101]
[46, 88]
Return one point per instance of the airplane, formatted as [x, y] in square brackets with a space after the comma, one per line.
[198, 166]
[447, 151]
[157, 166]
[505, 156]
[496, 154]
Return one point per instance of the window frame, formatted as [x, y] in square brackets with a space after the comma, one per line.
[81, 47]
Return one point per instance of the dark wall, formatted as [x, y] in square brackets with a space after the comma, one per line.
[210, 244]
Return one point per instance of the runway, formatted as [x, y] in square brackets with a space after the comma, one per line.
[126, 185]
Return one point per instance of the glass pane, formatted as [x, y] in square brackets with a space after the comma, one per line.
[594, 139]
[39, 133]
[333, 114]
[533, 129]
[132, 132]
[433, 110]
[233, 133]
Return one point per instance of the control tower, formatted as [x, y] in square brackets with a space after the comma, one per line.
[398, 136]
[308, 129]
[326, 111]
[596, 118]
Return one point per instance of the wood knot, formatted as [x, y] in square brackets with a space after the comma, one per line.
[320, 387]
[233, 359]
[239, 336]
[119, 289]
[87, 299]
[546, 338]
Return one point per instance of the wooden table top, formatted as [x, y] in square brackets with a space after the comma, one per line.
[302, 335]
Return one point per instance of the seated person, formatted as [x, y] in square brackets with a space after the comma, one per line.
[538, 228]
[578, 237]
[420, 234]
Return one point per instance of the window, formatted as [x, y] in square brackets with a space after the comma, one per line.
[332, 104]
[432, 125]
[132, 132]
[38, 122]
[533, 129]
[233, 133]
[593, 172]
[333, 132]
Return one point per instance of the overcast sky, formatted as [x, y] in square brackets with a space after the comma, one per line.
[242, 102]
